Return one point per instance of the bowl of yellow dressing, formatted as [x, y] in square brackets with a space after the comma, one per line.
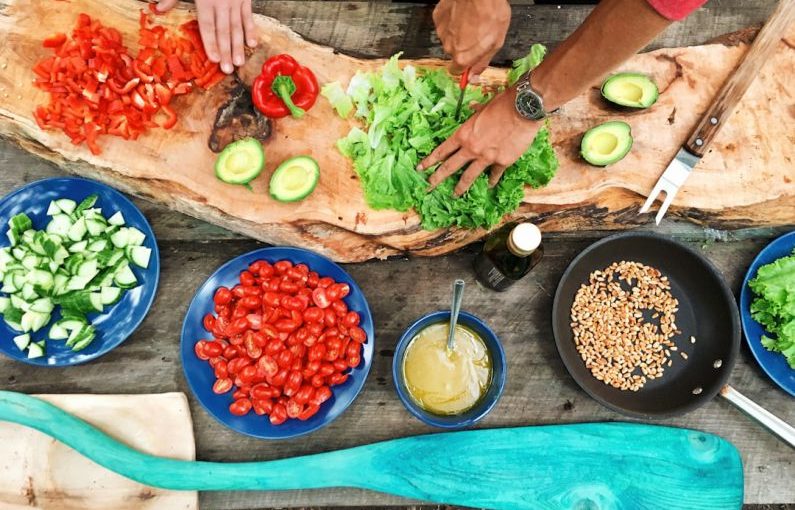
[449, 389]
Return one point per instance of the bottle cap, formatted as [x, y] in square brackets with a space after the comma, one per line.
[524, 239]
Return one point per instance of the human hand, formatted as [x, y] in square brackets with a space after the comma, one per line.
[223, 25]
[496, 135]
[472, 31]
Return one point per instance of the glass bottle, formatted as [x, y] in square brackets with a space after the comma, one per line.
[508, 255]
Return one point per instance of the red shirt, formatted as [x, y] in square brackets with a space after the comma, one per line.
[676, 9]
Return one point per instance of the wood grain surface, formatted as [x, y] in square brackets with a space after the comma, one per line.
[37, 472]
[746, 180]
[538, 390]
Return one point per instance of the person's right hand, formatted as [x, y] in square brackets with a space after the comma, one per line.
[472, 31]
[223, 25]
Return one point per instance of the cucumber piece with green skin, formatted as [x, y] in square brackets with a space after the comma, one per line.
[58, 332]
[59, 225]
[110, 295]
[20, 223]
[36, 350]
[117, 219]
[633, 90]
[22, 341]
[240, 162]
[66, 205]
[4, 304]
[294, 179]
[606, 143]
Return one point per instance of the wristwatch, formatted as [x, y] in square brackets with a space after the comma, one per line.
[529, 102]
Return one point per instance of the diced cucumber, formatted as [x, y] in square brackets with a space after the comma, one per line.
[43, 305]
[22, 341]
[19, 252]
[110, 295]
[139, 255]
[28, 292]
[66, 205]
[8, 284]
[36, 350]
[19, 303]
[34, 321]
[95, 227]
[71, 324]
[60, 281]
[73, 262]
[5, 258]
[89, 268]
[19, 280]
[30, 261]
[4, 304]
[79, 247]
[58, 332]
[87, 203]
[53, 209]
[12, 324]
[117, 219]
[78, 230]
[98, 245]
[136, 237]
[60, 225]
[78, 282]
[125, 278]
[84, 342]
[121, 238]
[60, 255]
[13, 237]
[41, 278]
[20, 223]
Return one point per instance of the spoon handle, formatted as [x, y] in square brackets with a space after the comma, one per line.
[458, 295]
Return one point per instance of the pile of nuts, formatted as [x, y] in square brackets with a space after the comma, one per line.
[619, 345]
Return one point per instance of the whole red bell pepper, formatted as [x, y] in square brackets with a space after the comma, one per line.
[284, 88]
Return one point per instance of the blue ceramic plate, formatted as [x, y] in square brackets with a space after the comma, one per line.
[200, 375]
[118, 321]
[773, 363]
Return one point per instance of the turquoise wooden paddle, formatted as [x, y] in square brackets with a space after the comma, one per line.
[589, 466]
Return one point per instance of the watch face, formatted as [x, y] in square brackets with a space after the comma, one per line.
[529, 105]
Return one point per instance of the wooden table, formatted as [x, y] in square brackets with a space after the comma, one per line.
[539, 390]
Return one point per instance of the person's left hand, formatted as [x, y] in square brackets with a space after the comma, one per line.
[494, 136]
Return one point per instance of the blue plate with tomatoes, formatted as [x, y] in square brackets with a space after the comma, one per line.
[773, 363]
[261, 305]
[117, 321]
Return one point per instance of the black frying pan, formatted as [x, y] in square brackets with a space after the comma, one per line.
[707, 311]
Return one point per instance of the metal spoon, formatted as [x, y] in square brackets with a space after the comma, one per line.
[458, 296]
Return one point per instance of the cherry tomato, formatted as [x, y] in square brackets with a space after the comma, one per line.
[237, 395]
[288, 286]
[266, 270]
[199, 350]
[322, 394]
[262, 407]
[303, 395]
[251, 302]
[312, 280]
[282, 266]
[333, 292]
[325, 369]
[254, 321]
[213, 349]
[358, 335]
[237, 326]
[337, 378]
[294, 409]
[286, 325]
[340, 365]
[313, 314]
[240, 407]
[221, 371]
[253, 350]
[339, 307]
[246, 279]
[329, 319]
[351, 320]
[308, 412]
[343, 289]
[353, 361]
[278, 414]
[317, 380]
[280, 377]
[222, 385]
[209, 322]
[247, 374]
[320, 298]
[325, 282]
[223, 296]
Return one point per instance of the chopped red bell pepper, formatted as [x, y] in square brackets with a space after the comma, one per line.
[284, 88]
[96, 87]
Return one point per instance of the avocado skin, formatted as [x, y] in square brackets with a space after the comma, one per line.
[627, 141]
[306, 161]
[646, 83]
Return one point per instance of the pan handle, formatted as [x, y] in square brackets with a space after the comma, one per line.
[770, 421]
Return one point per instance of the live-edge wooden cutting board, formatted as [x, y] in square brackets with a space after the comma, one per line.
[747, 179]
[38, 472]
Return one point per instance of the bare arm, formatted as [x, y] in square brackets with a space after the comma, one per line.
[497, 135]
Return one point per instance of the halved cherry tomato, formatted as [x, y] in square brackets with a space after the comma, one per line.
[240, 407]
[320, 298]
[222, 385]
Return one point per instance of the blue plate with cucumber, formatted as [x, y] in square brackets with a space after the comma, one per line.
[79, 267]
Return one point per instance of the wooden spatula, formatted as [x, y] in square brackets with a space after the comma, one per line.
[596, 466]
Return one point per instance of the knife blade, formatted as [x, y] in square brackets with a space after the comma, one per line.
[462, 84]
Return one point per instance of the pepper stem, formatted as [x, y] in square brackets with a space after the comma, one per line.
[284, 87]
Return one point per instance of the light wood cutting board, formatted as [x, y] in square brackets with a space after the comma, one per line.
[38, 472]
[747, 179]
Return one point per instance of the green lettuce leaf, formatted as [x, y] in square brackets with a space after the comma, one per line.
[526, 63]
[341, 102]
[774, 305]
[406, 114]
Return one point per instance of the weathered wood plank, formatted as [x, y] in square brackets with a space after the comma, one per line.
[539, 390]
[380, 29]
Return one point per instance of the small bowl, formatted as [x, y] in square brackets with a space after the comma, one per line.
[498, 371]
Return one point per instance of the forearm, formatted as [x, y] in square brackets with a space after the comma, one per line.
[614, 31]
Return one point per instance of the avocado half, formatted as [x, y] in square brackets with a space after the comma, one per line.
[606, 143]
[634, 90]
[294, 179]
